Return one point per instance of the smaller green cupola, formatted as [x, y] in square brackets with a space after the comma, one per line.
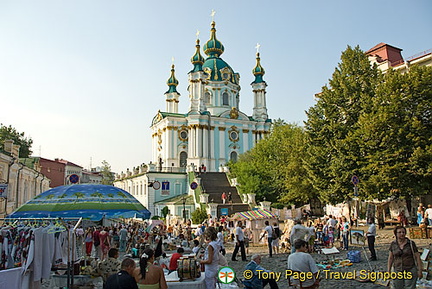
[172, 81]
[258, 70]
[197, 59]
[213, 47]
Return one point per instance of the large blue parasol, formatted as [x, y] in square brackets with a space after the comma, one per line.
[92, 202]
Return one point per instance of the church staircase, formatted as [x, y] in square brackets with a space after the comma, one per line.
[214, 184]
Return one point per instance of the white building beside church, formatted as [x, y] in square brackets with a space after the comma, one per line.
[213, 131]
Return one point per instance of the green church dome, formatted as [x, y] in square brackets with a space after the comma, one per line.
[258, 70]
[213, 47]
[219, 70]
[172, 81]
[197, 59]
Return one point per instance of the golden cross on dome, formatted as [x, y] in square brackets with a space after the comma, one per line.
[257, 47]
[172, 60]
[197, 34]
[212, 14]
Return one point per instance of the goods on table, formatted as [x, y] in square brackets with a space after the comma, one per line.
[188, 268]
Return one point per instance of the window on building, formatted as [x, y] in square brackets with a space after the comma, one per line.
[233, 156]
[207, 97]
[225, 98]
[183, 159]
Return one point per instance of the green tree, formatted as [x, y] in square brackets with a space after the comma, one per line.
[198, 216]
[165, 211]
[274, 169]
[107, 175]
[8, 132]
[397, 134]
[334, 153]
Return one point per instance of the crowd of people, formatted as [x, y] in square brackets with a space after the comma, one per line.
[403, 259]
[149, 242]
[207, 242]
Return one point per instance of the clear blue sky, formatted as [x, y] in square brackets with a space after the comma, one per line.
[84, 78]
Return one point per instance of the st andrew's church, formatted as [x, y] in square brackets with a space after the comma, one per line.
[213, 132]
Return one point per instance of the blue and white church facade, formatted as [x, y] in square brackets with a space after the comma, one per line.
[213, 131]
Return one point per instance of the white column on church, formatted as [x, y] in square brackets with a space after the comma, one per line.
[155, 146]
[190, 143]
[205, 142]
[222, 144]
[245, 140]
[199, 141]
[164, 146]
[172, 144]
[193, 130]
[212, 143]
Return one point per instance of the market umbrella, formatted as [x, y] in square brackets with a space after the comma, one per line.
[89, 201]
[255, 215]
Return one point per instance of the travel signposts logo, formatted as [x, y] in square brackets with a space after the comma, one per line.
[226, 275]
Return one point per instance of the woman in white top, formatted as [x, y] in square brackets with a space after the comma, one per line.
[211, 258]
[220, 239]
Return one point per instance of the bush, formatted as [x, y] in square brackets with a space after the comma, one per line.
[198, 216]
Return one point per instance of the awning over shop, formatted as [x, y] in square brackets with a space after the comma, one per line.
[255, 215]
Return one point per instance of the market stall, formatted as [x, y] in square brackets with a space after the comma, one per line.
[46, 220]
[255, 221]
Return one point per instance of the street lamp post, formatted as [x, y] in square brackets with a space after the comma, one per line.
[184, 208]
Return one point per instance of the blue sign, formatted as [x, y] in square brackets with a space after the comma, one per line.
[224, 211]
[165, 186]
[74, 179]
[355, 180]
[193, 185]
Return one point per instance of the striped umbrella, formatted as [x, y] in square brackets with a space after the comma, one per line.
[255, 215]
[89, 201]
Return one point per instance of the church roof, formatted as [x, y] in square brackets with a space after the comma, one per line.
[258, 70]
[216, 68]
[219, 70]
[197, 59]
[177, 200]
[386, 52]
[172, 81]
[213, 47]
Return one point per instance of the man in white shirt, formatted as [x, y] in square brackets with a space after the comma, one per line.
[331, 222]
[300, 261]
[371, 233]
[298, 231]
[428, 215]
[268, 230]
[239, 242]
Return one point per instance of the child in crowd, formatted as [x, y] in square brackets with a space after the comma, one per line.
[330, 235]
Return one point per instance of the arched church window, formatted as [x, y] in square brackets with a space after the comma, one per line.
[233, 156]
[183, 159]
[207, 97]
[225, 98]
